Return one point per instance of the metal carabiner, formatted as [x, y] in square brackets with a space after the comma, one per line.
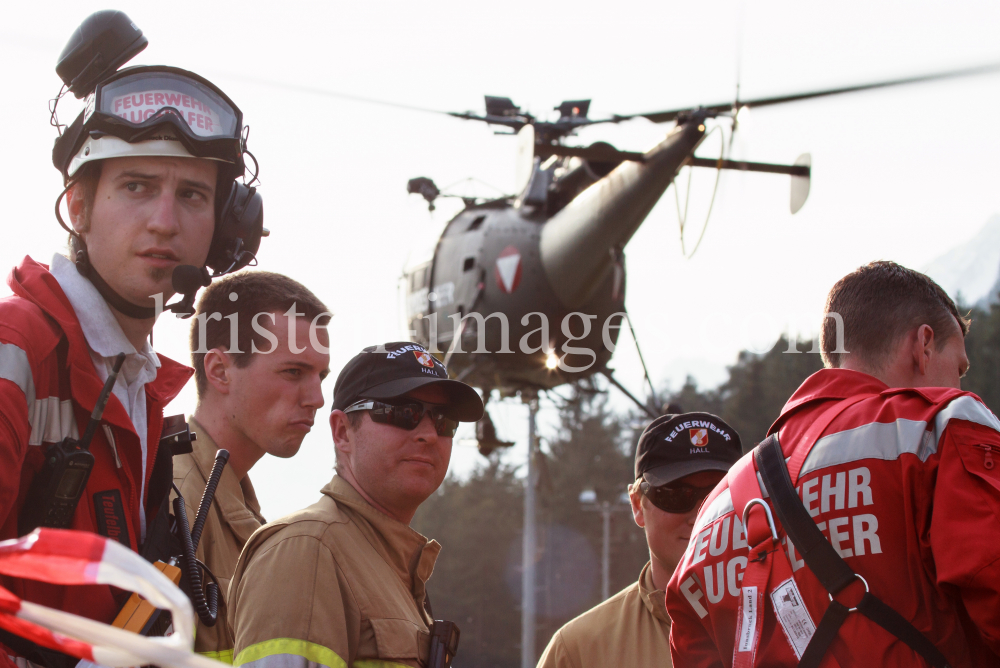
[770, 518]
[863, 581]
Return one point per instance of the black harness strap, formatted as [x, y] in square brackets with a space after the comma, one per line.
[876, 610]
[832, 571]
[828, 566]
[834, 617]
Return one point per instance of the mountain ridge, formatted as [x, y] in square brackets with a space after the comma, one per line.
[970, 272]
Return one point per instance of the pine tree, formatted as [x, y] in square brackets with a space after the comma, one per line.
[983, 347]
[475, 521]
[757, 389]
[593, 451]
[478, 521]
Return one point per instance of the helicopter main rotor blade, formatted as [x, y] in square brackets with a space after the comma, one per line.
[335, 94]
[953, 74]
[673, 114]
[514, 123]
[510, 122]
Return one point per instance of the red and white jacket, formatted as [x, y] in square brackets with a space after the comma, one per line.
[905, 484]
[48, 386]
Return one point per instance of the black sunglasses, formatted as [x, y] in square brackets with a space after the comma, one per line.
[678, 500]
[406, 415]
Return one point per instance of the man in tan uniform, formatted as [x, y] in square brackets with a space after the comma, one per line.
[678, 461]
[256, 395]
[343, 582]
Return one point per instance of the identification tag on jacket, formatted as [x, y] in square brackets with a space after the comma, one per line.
[793, 616]
[746, 633]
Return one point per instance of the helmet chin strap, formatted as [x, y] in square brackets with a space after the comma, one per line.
[186, 279]
[118, 302]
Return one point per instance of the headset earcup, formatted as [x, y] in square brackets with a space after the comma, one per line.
[241, 217]
[66, 146]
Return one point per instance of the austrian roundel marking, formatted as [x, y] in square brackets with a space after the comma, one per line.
[508, 269]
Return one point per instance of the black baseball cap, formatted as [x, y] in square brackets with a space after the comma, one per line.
[673, 446]
[394, 369]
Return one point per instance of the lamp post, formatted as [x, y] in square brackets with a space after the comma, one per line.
[529, 544]
[589, 502]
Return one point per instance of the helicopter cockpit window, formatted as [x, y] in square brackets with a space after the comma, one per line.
[418, 279]
[476, 223]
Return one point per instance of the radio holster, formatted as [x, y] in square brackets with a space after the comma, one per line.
[56, 489]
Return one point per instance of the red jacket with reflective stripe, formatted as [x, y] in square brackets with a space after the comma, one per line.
[48, 387]
[904, 485]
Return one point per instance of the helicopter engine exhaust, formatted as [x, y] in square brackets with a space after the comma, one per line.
[578, 174]
[601, 168]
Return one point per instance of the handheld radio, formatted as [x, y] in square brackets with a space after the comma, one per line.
[56, 490]
[444, 644]
[139, 615]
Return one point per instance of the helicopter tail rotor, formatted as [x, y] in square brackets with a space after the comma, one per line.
[800, 171]
[800, 183]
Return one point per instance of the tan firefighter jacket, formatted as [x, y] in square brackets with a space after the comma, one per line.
[336, 584]
[235, 515]
[629, 630]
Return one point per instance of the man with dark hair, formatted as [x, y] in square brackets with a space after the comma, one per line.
[884, 470]
[869, 310]
[678, 460]
[343, 582]
[144, 201]
[260, 351]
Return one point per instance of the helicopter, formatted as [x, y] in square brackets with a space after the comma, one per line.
[527, 291]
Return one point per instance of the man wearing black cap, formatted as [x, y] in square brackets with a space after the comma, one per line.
[343, 582]
[678, 461]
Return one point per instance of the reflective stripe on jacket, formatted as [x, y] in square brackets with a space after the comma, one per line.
[48, 387]
[902, 485]
[337, 584]
[234, 516]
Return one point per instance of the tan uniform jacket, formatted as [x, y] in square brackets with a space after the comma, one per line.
[336, 584]
[631, 629]
[235, 515]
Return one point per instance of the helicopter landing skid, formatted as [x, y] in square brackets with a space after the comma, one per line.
[614, 381]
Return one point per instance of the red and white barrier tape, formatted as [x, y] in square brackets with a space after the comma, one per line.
[82, 558]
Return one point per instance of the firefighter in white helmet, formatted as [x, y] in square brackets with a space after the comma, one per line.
[154, 204]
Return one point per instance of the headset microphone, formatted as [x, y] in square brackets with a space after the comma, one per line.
[187, 280]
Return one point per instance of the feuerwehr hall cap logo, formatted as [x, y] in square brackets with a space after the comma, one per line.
[393, 370]
[674, 446]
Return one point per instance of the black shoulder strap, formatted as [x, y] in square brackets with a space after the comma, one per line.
[832, 571]
[828, 566]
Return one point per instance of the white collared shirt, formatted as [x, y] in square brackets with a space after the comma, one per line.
[106, 339]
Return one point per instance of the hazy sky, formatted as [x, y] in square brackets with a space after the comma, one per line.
[903, 174]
